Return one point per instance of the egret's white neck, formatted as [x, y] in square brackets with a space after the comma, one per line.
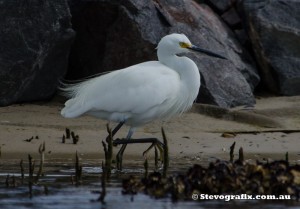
[184, 66]
[165, 56]
[187, 71]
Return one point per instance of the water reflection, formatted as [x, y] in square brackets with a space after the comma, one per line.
[55, 189]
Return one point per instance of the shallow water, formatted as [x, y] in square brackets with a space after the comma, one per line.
[55, 189]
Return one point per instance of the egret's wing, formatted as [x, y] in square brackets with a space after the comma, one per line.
[132, 90]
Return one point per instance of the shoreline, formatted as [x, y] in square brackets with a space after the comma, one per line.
[190, 136]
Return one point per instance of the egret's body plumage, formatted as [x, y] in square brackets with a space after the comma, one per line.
[140, 93]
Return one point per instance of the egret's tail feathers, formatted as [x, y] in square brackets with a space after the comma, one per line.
[69, 90]
[73, 109]
[77, 104]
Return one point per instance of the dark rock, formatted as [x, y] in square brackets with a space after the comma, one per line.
[113, 35]
[232, 18]
[221, 5]
[274, 30]
[35, 38]
[242, 36]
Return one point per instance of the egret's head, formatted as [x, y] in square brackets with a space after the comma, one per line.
[174, 43]
[178, 43]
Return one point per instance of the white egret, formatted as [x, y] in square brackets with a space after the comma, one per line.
[141, 93]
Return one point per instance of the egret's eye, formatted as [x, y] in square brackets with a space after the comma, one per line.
[184, 45]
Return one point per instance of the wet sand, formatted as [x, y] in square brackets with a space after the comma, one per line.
[268, 130]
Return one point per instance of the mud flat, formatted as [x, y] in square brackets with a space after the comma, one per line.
[268, 130]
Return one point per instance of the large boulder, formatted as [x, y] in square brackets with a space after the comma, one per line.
[114, 34]
[274, 30]
[220, 5]
[35, 39]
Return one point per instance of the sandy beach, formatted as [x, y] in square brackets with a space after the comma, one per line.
[268, 130]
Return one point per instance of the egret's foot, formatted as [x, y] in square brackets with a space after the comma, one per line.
[158, 158]
[134, 141]
[155, 142]
[148, 149]
[160, 148]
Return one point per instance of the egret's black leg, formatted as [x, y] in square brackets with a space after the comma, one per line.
[116, 129]
[113, 132]
[119, 157]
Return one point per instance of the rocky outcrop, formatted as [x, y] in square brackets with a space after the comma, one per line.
[274, 30]
[113, 35]
[35, 39]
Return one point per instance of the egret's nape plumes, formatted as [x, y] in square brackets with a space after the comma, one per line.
[141, 93]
